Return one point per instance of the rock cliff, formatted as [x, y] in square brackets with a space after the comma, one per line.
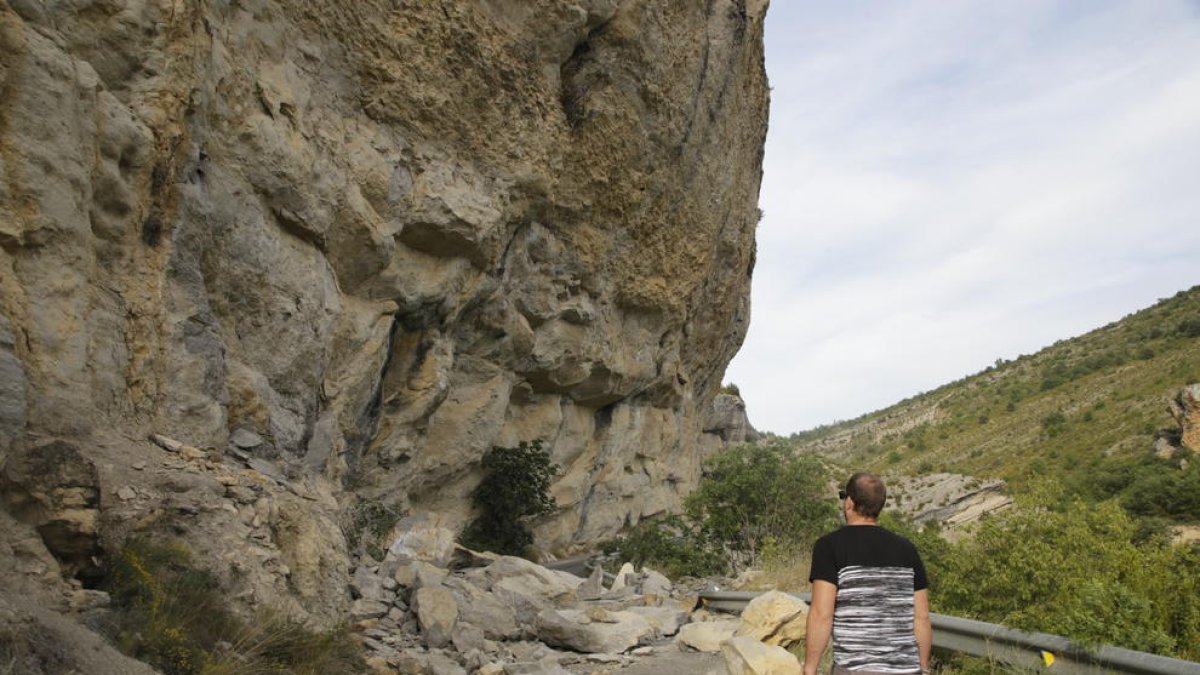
[356, 245]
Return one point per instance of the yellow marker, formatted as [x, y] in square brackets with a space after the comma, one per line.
[1048, 658]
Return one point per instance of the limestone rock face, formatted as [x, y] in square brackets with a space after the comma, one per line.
[383, 240]
[1186, 411]
[727, 423]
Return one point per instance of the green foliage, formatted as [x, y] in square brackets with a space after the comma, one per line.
[1101, 368]
[1073, 569]
[671, 546]
[750, 493]
[731, 389]
[171, 614]
[370, 520]
[1165, 491]
[515, 488]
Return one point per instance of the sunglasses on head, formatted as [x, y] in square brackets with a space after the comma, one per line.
[842, 495]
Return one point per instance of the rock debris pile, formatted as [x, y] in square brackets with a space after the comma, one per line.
[435, 607]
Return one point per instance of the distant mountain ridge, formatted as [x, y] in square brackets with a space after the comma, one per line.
[1080, 409]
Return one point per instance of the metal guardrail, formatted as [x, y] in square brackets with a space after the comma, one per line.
[1024, 650]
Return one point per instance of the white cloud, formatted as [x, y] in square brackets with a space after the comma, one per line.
[949, 183]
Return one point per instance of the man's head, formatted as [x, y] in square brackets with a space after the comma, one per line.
[867, 492]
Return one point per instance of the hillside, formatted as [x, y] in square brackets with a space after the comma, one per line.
[1087, 409]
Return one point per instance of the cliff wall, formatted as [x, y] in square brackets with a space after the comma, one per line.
[367, 241]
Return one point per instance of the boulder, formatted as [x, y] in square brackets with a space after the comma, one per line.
[414, 574]
[707, 636]
[552, 582]
[746, 656]
[363, 609]
[423, 538]
[367, 584]
[479, 608]
[597, 631]
[593, 587]
[665, 620]
[774, 618]
[440, 663]
[529, 588]
[655, 584]
[437, 615]
[623, 577]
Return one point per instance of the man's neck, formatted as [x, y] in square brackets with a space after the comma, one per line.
[853, 518]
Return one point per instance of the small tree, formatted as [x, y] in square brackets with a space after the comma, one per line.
[515, 488]
[751, 495]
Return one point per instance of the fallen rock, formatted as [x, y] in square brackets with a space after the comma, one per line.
[623, 576]
[654, 583]
[593, 587]
[746, 656]
[423, 538]
[665, 621]
[368, 585]
[437, 614]
[707, 636]
[480, 608]
[774, 618]
[364, 609]
[592, 632]
[414, 574]
[440, 663]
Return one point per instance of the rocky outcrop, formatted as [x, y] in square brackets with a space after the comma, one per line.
[954, 501]
[727, 422]
[1186, 411]
[352, 246]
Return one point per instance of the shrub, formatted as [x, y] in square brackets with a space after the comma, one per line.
[371, 518]
[1075, 570]
[671, 546]
[515, 488]
[750, 493]
[731, 389]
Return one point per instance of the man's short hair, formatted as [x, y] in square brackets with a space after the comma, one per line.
[868, 492]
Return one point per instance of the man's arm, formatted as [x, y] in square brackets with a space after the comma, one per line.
[820, 624]
[921, 625]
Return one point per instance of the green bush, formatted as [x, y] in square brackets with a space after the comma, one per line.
[731, 389]
[1074, 569]
[751, 493]
[1165, 491]
[515, 488]
[671, 546]
[370, 520]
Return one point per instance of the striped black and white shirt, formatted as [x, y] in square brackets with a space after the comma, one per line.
[876, 573]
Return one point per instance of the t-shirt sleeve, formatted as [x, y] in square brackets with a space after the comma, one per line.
[920, 580]
[824, 567]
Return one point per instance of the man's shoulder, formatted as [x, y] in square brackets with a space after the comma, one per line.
[873, 533]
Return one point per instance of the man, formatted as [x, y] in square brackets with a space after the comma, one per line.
[869, 589]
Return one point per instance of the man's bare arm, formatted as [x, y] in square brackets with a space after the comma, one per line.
[921, 626]
[820, 624]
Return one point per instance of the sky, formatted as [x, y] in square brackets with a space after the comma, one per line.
[950, 183]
